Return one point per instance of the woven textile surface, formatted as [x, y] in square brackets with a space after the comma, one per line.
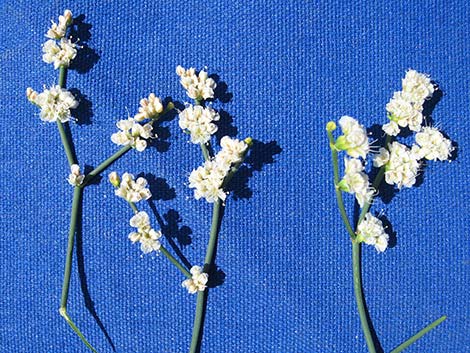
[289, 67]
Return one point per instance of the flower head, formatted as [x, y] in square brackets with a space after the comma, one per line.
[198, 121]
[198, 281]
[145, 234]
[356, 182]
[404, 112]
[433, 145]
[354, 139]
[60, 54]
[75, 177]
[132, 134]
[55, 103]
[150, 108]
[418, 86]
[198, 86]
[371, 232]
[402, 166]
[58, 30]
[132, 190]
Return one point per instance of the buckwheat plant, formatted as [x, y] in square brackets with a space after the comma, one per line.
[398, 165]
[209, 181]
[56, 105]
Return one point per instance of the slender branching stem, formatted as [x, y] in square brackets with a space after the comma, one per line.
[105, 164]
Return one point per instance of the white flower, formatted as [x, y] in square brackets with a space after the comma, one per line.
[114, 179]
[404, 111]
[75, 177]
[418, 86]
[60, 54]
[149, 108]
[55, 103]
[354, 139]
[391, 129]
[132, 133]
[198, 121]
[232, 151]
[433, 145]
[355, 181]
[133, 191]
[198, 281]
[381, 158]
[146, 235]
[207, 181]
[198, 86]
[371, 232]
[58, 30]
[403, 165]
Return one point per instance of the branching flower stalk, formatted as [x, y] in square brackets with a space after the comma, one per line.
[396, 163]
[56, 104]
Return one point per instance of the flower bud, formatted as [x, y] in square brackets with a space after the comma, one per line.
[331, 126]
[114, 179]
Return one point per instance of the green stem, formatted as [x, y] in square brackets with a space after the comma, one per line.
[102, 167]
[164, 251]
[205, 151]
[209, 261]
[63, 136]
[356, 254]
[420, 334]
[339, 195]
[77, 196]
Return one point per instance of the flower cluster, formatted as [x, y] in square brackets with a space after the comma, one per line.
[145, 234]
[371, 232]
[75, 177]
[150, 108]
[58, 30]
[129, 189]
[198, 122]
[433, 145]
[208, 179]
[406, 106]
[198, 86]
[55, 103]
[355, 181]
[354, 139]
[198, 281]
[132, 134]
[59, 50]
[401, 164]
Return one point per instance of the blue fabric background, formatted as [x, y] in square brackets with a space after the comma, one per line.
[291, 66]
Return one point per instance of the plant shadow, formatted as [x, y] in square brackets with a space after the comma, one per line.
[162, 133]
[86, 57]
[221, 92]
[260, 154]
[89, 303]
[84, 112]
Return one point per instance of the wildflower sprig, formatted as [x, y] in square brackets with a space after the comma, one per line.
[56, 105]
[209, 181]
[398, 165]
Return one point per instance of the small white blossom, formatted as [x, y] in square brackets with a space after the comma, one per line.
[59, 54]
[145, 234]
[149, 108]
[433, 145]
[405, 112]
[403, 165]
[371, 232]
[114, 179]
[198, 86]
[198, 281]
[198, 121]
[354, 139]
[132, 134]
[381, 158]
[232, 151]
[55, 103]
[75, 177]
[418, 86]
[58, 30]
[133, 190]
[356, 182]
[207, 181]
[391, 128]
